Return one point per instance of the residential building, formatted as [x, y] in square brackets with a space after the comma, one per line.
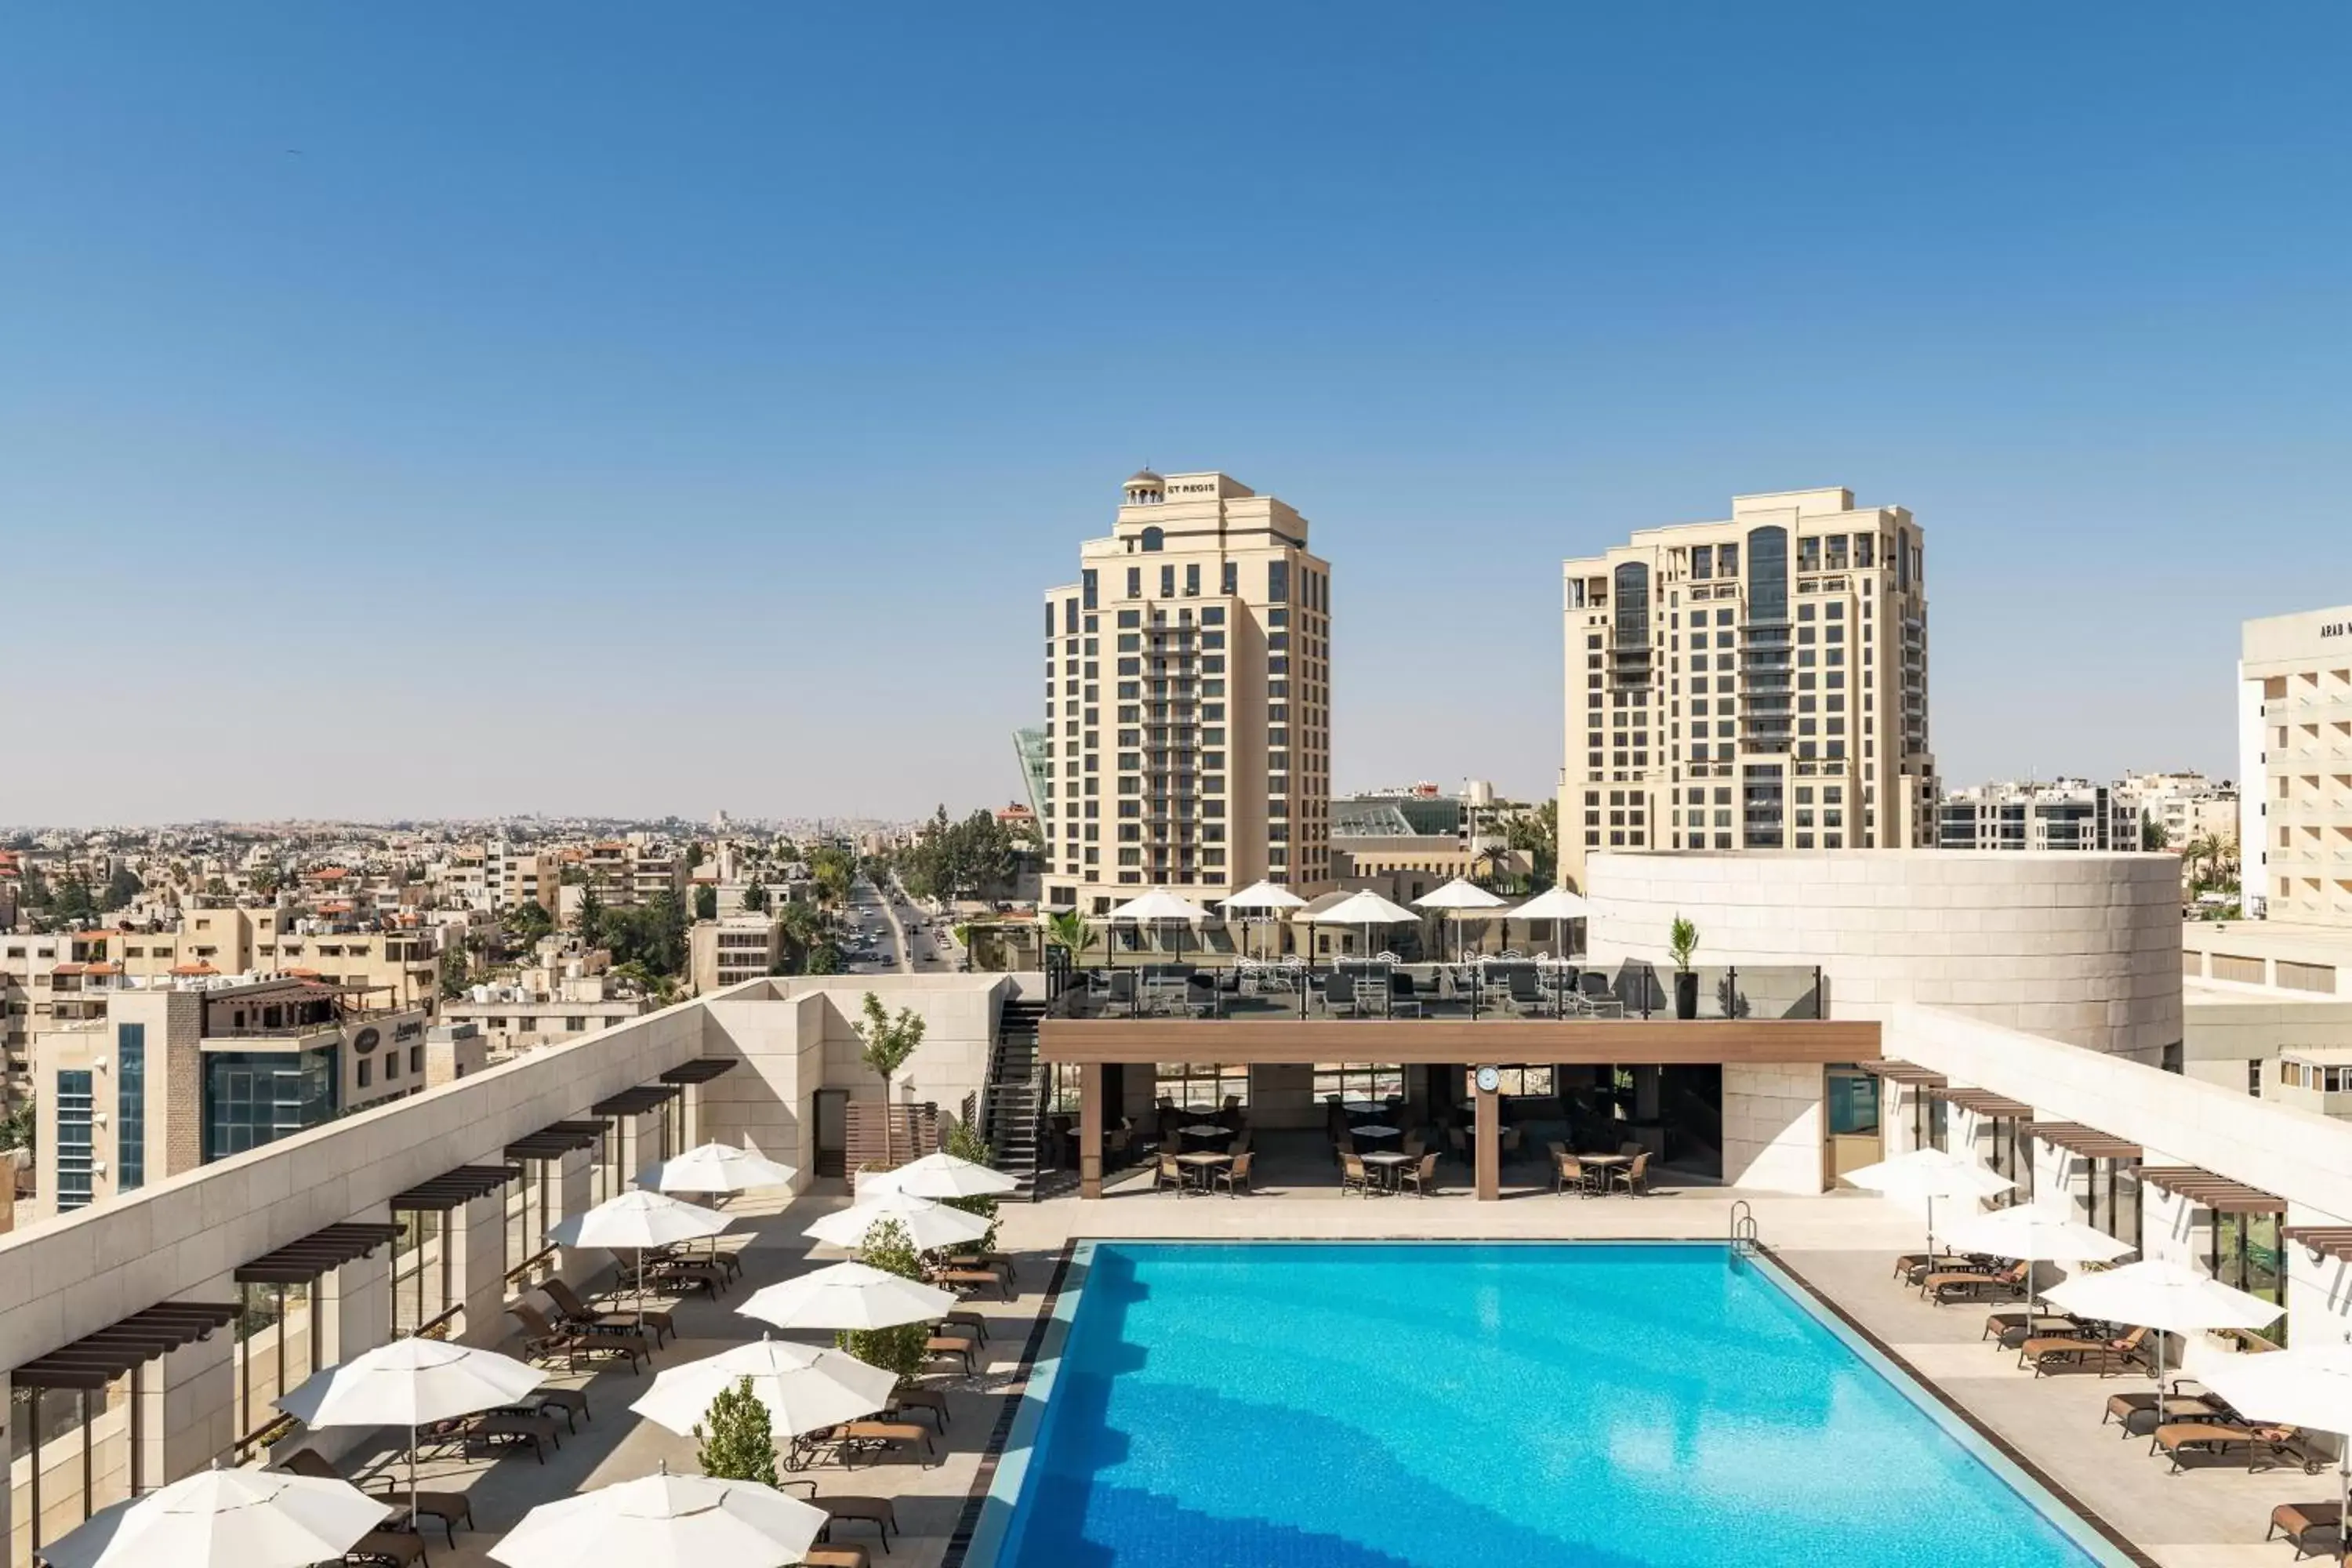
[2295, 747]
[2062, 814]
[1759, 683]
[2187, 807]
[538, 1010]
[513, 878]
[732, 949]
[177, 1072]
[397, 967]
[633, 870]
[1403, 843]
[1188, 700]
[1034, 750]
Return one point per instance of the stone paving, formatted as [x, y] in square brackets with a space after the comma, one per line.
[2209, 1518]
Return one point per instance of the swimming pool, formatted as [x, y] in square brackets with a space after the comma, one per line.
[1438, 1404]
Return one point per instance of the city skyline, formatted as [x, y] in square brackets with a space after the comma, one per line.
[495, 423]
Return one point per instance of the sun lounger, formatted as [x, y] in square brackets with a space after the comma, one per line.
[447, 1508]
[2047, 1352]
[493, 1428]
[2276, 1445]
[931, 1399]
[973, 1280]
[835, 1556]
[874, 1511]
[396, 1547]
[542, 1340]
[1943, 1287]
[2311, 1528]
[2136, 1413]
[871, 1438]
[942, 1347]
[573, 1312]
[974, 1323]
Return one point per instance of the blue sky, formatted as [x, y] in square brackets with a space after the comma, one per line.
[447, 409]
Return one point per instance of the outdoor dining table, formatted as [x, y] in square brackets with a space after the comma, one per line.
[1202, 1163]
[1389, 1161]
[1375, 1131]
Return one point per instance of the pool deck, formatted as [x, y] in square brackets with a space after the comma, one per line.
[1842, 1244]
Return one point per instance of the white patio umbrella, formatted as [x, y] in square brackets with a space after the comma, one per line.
[242, 1519]
[1268, 897]
[1456, 897]
[1930, 1173]
[2168, 1297]
[848, 1296]
[928, 1224]
[664, 1521]
[716, 1168]
[940, 1175]
[80, 1546]
[803, 1386]
[2035, 1235]
[1158, 907]
[637, 1220]
[2302, 1385]
[409, 1383]
[1365, 909]
[1554, 904]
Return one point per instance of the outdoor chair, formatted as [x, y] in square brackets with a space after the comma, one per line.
[1354, 1175]
[396, 1547]
[542, 1340]
[1339, 995]
[2047, 1352]
[931, 1399]
[1404, 1001]
[1419, 1176]
[1634, 1178]
[1235, 1176]
[1593, 986]
[572, 1313]
[874, 1511]
[1943, 1287]
[2264, 1446]
[1568, 1170]
[1527, 994]
[1122, 989]
[1169, 1175]
[2311, 1528]
[447, 1508]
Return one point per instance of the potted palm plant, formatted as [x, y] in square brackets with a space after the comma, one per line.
[1682, 940]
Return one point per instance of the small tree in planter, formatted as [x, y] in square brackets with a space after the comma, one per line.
[888, 1043]
[741, 1442]
[965, 1143]
[1682, 940]
[900, 1350]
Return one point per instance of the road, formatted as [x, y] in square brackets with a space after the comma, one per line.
[896, 926]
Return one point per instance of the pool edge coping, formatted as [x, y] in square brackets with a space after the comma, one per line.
[988, 1506]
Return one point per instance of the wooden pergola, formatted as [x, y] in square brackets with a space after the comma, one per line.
[1093, 1044]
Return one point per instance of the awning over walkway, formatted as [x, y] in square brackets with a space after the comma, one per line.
[2326, 1240]
[702, 1069]
[1984, 1102]
[636, 1101]
[299, 1262]
[556, 1140]
[456, 1188]
[1903, 1073]
[2207, 1190]
[2087, 1142]
[95, 1360]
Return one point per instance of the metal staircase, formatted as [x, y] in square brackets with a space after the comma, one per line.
[1013, 1100]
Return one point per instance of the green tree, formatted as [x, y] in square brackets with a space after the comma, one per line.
[1064, 929]
[453, 973]
[1536, 833]
[17, 1125]
[1682, 942]
[901, 1349]
[705, 902]
[694, 855]
[589, 919]
[74, 905]
[755, 899]
[889, 1041]
[823, 959]
[267, 879]
[37, 889]
[2152, 837]
[965, 1143]
[122, 887]
[738, 1440]
[528, 921]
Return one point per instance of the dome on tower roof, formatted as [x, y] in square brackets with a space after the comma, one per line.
[1144, 477]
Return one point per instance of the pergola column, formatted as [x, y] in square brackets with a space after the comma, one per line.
[474, 1248]
[188, 1400]
[1487, 1160]
[571, 1189]
[1090, 1128]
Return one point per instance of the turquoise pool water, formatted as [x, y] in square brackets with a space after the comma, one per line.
[1416, 1406]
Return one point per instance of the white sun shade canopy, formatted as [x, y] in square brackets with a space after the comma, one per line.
[1459, 894]
[1157, 905]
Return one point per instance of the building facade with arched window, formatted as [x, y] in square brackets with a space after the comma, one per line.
[1756, 683]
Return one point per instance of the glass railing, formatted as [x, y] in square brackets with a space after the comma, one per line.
[1221, 986]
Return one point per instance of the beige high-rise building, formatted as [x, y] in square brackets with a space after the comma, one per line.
[2294, 744]
[1759, 683]
[1188, 701]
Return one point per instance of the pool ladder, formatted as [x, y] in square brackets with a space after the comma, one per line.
[1744, 1240]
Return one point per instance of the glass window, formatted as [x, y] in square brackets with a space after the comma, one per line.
[1231, 580]
[131, 1107]
[74, 1160]
[1168, 582]
[1278, 582]
[1359, 1080]
[1134, 590]
[1201, 1086]
[1087, 587]
[1702, 557]
[252, 1098]
[1633, 604]
[1767, 575]
[1153, 538]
